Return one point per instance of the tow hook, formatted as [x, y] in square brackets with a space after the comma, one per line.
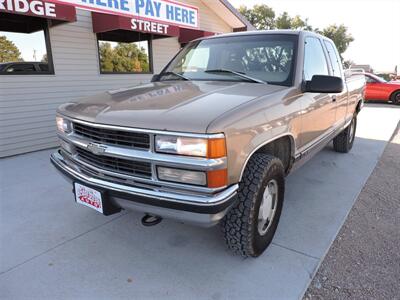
[150, 220]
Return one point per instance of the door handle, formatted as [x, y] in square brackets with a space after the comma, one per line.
[333, 98]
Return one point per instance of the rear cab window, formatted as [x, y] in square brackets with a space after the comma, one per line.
[334, 59]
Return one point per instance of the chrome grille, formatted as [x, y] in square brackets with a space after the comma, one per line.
[113, 137]
[124, 166]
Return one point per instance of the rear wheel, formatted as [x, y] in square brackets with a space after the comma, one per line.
[345, 140]
[251, 224]
[396, 98]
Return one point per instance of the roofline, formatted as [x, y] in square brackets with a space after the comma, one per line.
[269, 31]
[242, 18]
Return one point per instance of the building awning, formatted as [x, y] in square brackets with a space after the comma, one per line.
[130, 29]
[27, 15]
[187, 34]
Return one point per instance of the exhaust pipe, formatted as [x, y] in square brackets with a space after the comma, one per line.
[150, 220]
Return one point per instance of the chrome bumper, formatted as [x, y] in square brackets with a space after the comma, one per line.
[200, 209]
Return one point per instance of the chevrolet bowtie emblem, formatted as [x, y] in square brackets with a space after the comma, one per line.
[96, 148]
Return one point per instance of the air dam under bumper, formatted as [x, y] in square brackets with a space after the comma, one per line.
[202, 210]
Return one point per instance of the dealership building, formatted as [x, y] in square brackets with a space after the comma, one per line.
[52, 52]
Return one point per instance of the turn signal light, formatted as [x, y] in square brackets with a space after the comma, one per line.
[217, 178]
[216, 148]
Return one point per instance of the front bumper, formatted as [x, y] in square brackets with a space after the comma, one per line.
[200, 209]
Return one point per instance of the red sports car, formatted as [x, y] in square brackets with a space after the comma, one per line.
[378, 89]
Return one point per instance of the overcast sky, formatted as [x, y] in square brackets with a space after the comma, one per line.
[374, 24]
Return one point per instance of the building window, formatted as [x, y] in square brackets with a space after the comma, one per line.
[25, 53]
[124, 57]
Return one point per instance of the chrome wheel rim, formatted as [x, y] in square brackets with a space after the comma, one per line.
[268, 206]
[351, 131]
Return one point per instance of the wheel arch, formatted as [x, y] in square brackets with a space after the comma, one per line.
[359, 105]
[285, 142]
[393, 93]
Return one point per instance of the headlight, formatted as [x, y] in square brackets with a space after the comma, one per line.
[63, 125]
[201, 147]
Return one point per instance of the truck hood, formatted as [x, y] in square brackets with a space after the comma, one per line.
[185, 106]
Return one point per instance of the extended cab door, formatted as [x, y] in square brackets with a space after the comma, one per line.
[319, 109]
[342, 99]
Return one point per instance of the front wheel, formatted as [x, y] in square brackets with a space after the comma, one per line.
[251, 224]
[345, 140]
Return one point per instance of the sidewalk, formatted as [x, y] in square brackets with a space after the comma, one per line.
[364, 260]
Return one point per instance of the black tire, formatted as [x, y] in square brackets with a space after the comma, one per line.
[396, 98]
[345, 140]
[240, 225]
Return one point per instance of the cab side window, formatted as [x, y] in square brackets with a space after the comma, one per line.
[334, 58]
[314, 59]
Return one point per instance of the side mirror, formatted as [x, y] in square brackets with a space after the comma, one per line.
[324, 84]
[155, 77]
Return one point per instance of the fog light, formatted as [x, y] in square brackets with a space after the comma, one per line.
[182, 176]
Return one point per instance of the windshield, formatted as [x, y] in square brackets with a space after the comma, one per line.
[377, 78]
[261, 58]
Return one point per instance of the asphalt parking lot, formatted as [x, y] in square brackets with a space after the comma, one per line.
[51, 248]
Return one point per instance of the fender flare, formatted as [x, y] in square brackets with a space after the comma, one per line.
[292, 150]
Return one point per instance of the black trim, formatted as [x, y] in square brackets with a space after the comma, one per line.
[50, 63]
[201, 209]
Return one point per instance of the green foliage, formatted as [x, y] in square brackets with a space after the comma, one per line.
[124, 57]
[263, 17]
[347, 64]
[9, 52]
[284, 21]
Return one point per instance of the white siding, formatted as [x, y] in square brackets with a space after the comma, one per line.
[28, 103]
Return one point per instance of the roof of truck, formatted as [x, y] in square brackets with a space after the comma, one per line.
[260, 32]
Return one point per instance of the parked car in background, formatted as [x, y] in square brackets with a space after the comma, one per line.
[378, 89]
[24, 67]
[212, 137]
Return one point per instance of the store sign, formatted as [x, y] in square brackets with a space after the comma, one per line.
[39, 8]
[165, 11]
[148, 26]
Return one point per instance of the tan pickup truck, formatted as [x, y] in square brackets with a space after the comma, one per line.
[212, 137]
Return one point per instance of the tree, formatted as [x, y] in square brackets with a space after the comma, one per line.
[284, 21]
[339, 35]
[261, 16]
[106, 54]
[124, 57]
[299, 24]
[8, 51]
[347, 64]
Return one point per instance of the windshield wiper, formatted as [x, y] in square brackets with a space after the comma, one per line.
[236, 73]
[173, 73]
